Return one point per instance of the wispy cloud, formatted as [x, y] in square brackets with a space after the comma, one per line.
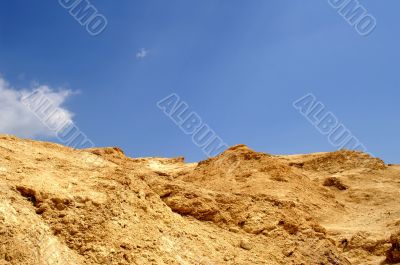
[17, 119]
[142, 53]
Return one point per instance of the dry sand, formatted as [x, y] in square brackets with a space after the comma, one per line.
[64, 206]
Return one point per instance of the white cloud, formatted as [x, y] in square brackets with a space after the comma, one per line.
[142, 53]
[18, 119]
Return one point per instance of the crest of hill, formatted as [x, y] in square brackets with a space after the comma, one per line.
[338, 161]
[240, 161]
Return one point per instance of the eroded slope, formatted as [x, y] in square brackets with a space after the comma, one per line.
[97, 206]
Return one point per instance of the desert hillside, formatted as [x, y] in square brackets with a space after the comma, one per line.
[97, 206]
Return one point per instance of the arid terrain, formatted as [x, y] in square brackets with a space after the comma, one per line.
[64, 206]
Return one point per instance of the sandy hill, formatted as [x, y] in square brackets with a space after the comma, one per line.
[97, 206]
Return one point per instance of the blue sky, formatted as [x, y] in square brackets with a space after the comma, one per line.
[238, 64]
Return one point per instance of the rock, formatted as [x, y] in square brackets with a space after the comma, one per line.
[225, 210]
[245, 244]
[234, 229]
[393, 254]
